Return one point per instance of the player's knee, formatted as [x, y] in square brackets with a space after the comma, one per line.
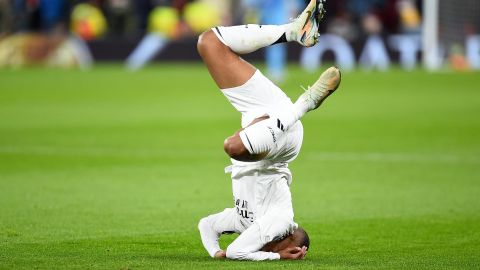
[206, 41]
[201, 43]
[234, 147]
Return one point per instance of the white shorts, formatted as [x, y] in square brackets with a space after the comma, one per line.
[258, 97]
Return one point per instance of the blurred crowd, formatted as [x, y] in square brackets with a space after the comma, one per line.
[40, 31]
[348, 18]
[122, 17]
[351, 19]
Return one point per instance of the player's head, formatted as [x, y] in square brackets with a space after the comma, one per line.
[299, 238]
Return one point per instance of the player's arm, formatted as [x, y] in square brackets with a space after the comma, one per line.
[212, 227]
[209, 237]
[291, 253]
[248, 245]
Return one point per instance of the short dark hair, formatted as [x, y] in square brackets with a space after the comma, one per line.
[298, 238]
[303, 239]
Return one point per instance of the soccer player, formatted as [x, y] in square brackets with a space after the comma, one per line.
[271, 137]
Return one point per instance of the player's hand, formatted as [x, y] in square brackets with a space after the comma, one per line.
[220, 254]
[293, 253]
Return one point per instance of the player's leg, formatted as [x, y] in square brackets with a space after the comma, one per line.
[255, 142]
[226, 67]
[220, 47]
[237, 149]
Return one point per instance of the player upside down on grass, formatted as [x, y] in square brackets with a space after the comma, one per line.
[271, 137]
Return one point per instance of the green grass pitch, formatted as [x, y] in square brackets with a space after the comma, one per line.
[107, 169]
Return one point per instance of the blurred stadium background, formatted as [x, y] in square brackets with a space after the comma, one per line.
[111, 133]
[370, 33]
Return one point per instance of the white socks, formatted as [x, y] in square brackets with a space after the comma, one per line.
[244, 39]
[301, 107]
[289, 116]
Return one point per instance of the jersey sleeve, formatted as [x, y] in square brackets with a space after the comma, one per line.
[213, 226]
[247, 246]
[209, 237]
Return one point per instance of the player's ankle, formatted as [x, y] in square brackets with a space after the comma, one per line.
[290, 32]
[302, 106]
